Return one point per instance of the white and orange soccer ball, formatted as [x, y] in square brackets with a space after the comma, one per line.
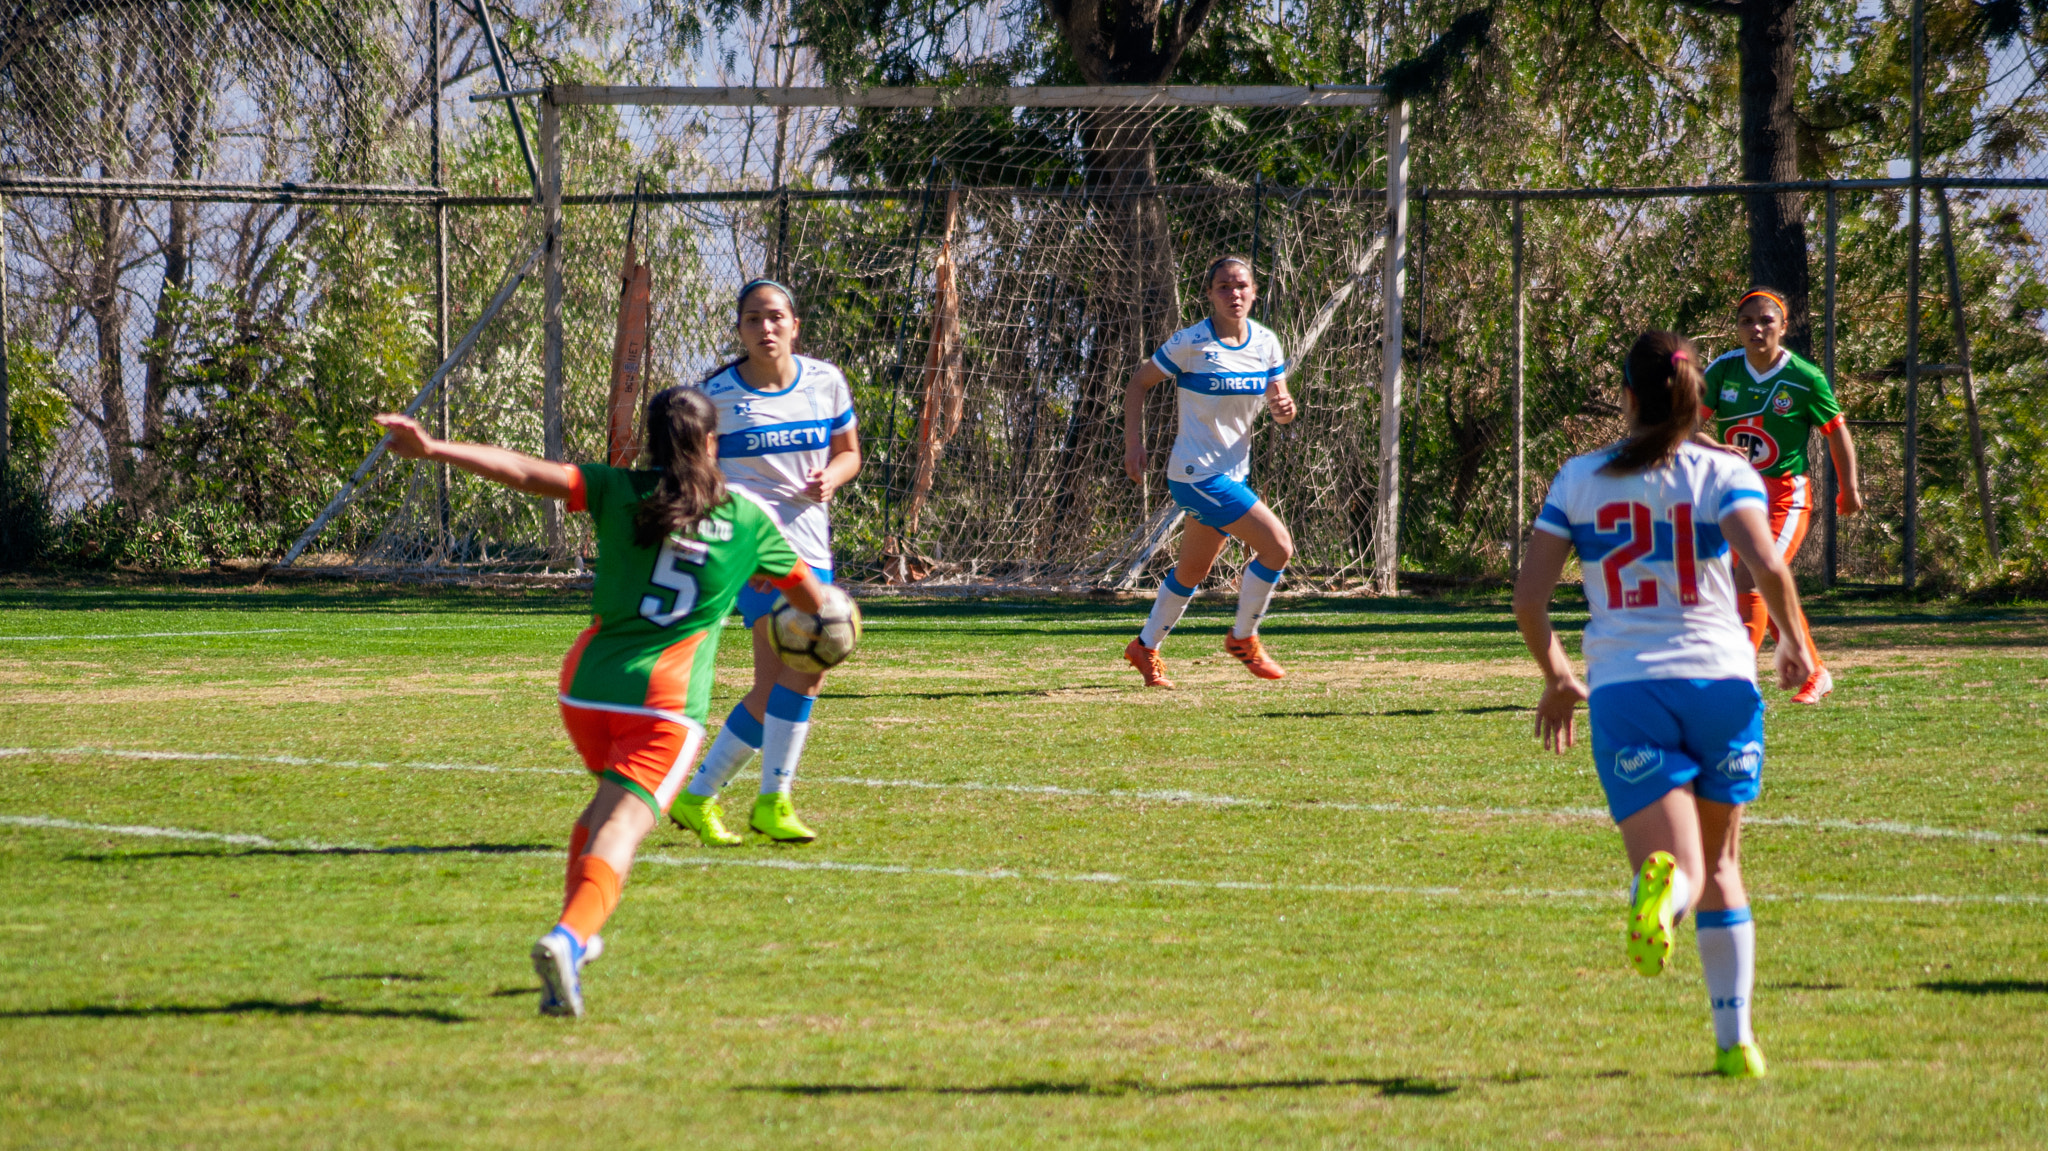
[815, 642]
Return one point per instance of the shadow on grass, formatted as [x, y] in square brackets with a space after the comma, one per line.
[279, 1007]
[381, 977]
[254, 852]
[510, 992]
[1405, 711]
[1988, 986]
[1398, 1085]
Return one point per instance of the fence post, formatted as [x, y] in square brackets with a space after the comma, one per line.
[1258, 215]
[1519, 337]
[1961, 323]
[6, 410]
[1910, 561]
[1831, 481]
[551, 308]
[1387, 530]
[436, 174]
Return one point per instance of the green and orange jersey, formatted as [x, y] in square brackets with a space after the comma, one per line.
[658, 611]
[1771, 414]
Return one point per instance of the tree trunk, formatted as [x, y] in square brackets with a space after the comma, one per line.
[183, 97]
[1137, 42]
[1769, 47]
[109, 320]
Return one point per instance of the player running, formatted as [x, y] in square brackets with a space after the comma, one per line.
[1767, 400]
[1227, 367]
[786, 437]
[674, 548]
[1678, 726]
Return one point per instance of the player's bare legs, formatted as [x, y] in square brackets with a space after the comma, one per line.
[781, 700]
[1272, 545]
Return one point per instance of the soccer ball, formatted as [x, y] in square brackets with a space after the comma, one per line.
[815, 643]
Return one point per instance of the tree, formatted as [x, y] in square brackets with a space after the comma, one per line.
[1767, 39]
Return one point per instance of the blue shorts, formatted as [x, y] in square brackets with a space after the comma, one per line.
[1651, 736]
[755, 604]
[1218, 501]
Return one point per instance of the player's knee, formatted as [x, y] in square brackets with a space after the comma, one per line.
[1276, 554]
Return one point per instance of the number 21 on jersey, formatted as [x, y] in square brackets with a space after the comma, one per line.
[1640, 540]
[668, 574]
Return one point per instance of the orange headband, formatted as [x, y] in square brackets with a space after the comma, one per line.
[1773, 297]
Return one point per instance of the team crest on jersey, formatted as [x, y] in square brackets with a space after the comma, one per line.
[1635, 764]
[1782, 404]
[1745, 762]
[1755, 443]
[1730, 395]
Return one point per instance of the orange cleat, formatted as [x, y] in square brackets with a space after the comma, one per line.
[1148, 663]
[1253, 656]
[1818, 686]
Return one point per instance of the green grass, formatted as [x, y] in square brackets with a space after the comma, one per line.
[1405, 931]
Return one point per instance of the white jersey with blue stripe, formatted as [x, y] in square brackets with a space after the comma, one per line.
[769, 443]
[1657, 571]
[1222, 387]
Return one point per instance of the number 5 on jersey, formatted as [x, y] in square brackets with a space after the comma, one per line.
[669, 574]
[1639, 541]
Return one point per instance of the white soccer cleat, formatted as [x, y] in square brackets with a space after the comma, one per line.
[556, 959]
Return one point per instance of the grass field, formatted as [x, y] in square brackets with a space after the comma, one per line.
[276, 856]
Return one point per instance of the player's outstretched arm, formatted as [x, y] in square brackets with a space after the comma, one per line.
[1749, 533]
[1562, 690]
[410, 441]
[1134, 418]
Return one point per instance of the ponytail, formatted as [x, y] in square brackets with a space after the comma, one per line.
[1663, 372]
[679, 419]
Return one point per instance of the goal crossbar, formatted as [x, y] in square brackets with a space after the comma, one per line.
[1133, 96]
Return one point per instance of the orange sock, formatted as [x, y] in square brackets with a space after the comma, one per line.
[595, 896]
[579, 838]
[1755, 616]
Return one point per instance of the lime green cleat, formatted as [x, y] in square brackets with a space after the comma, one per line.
[703, 815]
[1742, 1061]
[1649, 921]
[775, 817]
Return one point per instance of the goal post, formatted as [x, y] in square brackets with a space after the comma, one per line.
[988, 265]
[1392, 281]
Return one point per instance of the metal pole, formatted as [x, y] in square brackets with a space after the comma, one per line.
[440, 274]
[1909, 573]
[6, 410]
[1387, 529]
[1959, 319]
[1832, 482]
[1519, 337]
[551, 306]
[782, 235]
[419, 400]
[483, 19]
[1258, 211]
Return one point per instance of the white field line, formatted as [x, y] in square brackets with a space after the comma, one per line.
[1877, 827]
[267, 631]
[1107, 879]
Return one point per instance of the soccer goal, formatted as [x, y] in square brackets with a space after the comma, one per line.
[987, 266]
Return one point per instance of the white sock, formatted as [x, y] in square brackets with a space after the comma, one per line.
[782, 744]
[1254, 592]
[1727, 942]
[1167, 607]
[736, 742]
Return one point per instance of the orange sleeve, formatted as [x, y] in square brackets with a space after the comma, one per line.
[579, 494]
[1829, 428]
[1706, 413]
[795, 577]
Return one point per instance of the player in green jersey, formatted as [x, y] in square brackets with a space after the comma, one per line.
[1766, 401]
[674, 547]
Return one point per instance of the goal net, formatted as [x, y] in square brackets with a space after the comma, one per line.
[987, 267]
